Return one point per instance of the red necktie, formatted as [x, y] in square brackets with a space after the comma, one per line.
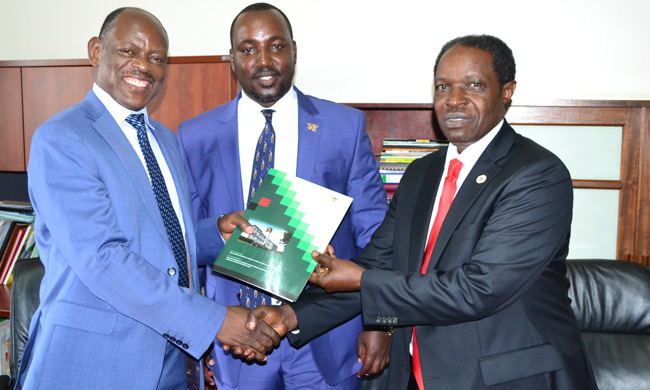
[446, 198]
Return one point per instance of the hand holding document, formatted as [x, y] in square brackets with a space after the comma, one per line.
[291, 217]
[336, 275]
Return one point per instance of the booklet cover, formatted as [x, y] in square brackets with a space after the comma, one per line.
[292, 217]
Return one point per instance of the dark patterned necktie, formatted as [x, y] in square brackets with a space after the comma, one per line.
[167, 212]
[262, 162]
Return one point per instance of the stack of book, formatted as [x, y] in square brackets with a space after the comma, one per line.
[397, 154]
[17, 239]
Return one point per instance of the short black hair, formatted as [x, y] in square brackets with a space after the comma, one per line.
[110, 20]
[503, 62]
[259, 7]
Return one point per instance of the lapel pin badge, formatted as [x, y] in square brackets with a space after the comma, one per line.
[481, 179]
[312, 127]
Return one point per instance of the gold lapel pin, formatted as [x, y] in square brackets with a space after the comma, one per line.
[312, 127]
[481, 179]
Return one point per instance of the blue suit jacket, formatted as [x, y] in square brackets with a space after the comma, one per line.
[337, 156]
[108, 306]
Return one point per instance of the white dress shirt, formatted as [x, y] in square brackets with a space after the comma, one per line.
[469, 157]
[250, 125]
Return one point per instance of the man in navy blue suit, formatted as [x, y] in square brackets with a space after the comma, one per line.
[317, 140]
[477, 293]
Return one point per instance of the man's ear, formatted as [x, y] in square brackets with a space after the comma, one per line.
[507, 91]
[95, 49]
[232, 59]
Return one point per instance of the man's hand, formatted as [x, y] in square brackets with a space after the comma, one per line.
[227, 224]
[281, 318]
[334, 274]
[252, 341]
[208, 374]
[373, 348]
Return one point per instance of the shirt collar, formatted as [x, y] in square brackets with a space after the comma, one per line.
[282, 106]
[117, 111]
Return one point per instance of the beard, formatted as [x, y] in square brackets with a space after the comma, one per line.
[266, 99]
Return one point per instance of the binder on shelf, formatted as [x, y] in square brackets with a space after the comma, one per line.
[6, 228]
[397, 154]
[14, 251]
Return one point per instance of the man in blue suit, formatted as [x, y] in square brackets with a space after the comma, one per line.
[319, 141]
[119, 307]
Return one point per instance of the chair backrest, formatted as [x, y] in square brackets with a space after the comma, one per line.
[611, 301]
[610, 296]
[24, 301]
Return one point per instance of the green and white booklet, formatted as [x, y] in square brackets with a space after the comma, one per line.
[292, 217]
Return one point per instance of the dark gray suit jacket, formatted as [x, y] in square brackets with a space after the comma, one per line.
[492, 309]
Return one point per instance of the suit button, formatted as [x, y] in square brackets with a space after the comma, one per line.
[166, 335]
[186, 346]
[178, 342]
[172, 339]
[405, 368]
[171, 271]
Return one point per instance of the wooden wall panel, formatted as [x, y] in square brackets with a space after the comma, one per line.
[12, 156]
[49, 90]
[399, 121]
[193, 85]
[643, 221]
[189, 90]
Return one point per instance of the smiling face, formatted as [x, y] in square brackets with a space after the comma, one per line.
[132, 61]
[263, 55]
[468, 100]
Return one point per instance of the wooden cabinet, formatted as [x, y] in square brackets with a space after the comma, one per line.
[632, 184]
[33, 91]
[12, 156]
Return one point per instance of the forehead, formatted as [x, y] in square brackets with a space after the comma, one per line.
[464, 61]
[260, 25]
[137, 25]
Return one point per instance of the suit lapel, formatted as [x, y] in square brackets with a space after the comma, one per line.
[310, 128]
[228, 152]
[423, 209]
[176, 165]
[489, 166]
[104, 123]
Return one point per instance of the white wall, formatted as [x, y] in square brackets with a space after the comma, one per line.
[380, 51]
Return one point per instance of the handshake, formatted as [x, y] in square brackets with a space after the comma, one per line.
[253, 333]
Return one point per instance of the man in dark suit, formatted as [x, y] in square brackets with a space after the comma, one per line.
[315, 139]
[476, 290]
[119, 302]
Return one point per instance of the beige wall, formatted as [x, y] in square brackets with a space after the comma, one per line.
[379, 50]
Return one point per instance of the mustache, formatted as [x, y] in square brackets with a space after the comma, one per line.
[265, 73]
[141, 75]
